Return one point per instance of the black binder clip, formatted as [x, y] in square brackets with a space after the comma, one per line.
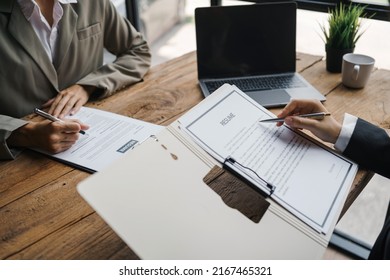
[233, 162]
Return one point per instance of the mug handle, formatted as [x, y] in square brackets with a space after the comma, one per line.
[355, 72]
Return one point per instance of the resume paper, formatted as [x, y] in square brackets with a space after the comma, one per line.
[308, 179]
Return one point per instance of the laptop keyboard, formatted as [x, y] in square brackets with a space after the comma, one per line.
[259, 83]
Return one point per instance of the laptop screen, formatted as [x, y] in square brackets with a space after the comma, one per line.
[234, 41]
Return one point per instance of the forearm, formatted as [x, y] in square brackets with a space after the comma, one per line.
[369, 146]
[133, 57]
[126, 70]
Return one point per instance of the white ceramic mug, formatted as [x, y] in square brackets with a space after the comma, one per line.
[356, 69]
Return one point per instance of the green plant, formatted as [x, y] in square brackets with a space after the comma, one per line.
[343, 26]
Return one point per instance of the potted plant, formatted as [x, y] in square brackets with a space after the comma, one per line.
[341, 33]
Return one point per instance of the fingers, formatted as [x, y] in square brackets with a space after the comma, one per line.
[83, 126]
[72, 126]
[56, 137]
[76, 107]
[62, 105]
[64, 132]
[62, 136]
[327, 129]
[303, 123]
[68, 101]
[301, 106]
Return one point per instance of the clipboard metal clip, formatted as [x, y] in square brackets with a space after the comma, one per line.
[231, 161]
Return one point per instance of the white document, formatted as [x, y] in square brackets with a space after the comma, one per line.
[306, 178]
[109, 136]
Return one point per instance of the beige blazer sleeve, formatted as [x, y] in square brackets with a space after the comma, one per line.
[27, 76]
[8, 124]
[108, 30]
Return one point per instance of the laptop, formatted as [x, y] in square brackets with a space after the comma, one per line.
[252, 47]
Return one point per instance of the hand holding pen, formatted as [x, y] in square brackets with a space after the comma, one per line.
[54, 137]
[51, 117]
[311, 115]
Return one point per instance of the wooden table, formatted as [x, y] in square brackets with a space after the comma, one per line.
[43, 217]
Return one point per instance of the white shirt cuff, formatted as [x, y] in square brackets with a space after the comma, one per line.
[347, 129]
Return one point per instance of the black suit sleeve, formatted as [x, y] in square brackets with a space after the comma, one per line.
[369, 147]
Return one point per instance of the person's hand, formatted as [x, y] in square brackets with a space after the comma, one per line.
[327, 129]
[68, 101]
[50, 136]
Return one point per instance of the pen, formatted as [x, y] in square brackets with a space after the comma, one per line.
[320, 116]
[50, 117]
